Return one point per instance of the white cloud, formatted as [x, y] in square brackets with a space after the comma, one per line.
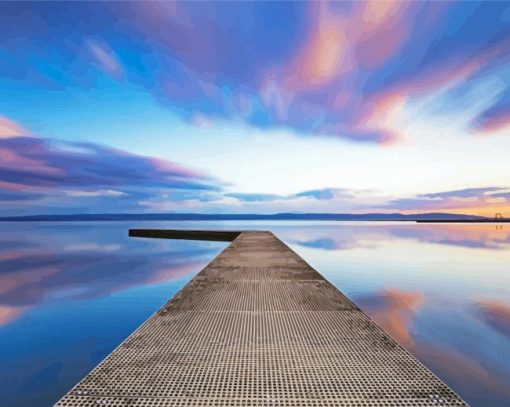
[96, 193]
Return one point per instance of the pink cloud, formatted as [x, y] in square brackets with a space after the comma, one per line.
[325, 78]
[339, 43]
[9, 128]
[9, 314]
[325, 50]
[338, 47]
[376, 14]
[382, 115]
[381, 31]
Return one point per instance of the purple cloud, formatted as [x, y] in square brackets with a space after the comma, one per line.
[32, 167]
[497, 116]
[49, 163]
[462, 198]
[52, 176]
[462, 193]
[344, 70]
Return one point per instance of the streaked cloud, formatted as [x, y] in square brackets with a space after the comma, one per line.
[317, 194]
[73, 176]
[246, 197]
[100, 192]
[9, 128]
[338, 200]
[326, 193]
[104, 57]
[213, 82]
[470, 200]
[33, 167]
[351, 70]
[464, 193]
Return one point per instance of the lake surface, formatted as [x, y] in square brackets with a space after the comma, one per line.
[71, 292]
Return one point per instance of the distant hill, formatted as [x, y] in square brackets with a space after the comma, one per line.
[276, 216]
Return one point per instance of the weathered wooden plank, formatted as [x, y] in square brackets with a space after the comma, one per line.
[260, 327]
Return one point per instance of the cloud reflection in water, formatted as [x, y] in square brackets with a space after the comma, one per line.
[70, 292]
[441, 290]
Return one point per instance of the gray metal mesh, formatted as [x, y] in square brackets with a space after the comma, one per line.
[260, 327]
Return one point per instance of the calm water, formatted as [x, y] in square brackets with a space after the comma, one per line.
[71, 292]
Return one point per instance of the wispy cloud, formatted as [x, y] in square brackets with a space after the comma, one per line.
[103, 57]
[35, 170]
[484, 201]
[490, 199]
[348, 70]
[247, 197]
[9, 128]
[49, 163]
[356, 71]
[52, 176]
[99, 192]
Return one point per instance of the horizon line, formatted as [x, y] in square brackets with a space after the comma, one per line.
[244, 216]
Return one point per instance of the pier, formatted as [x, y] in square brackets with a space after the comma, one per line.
[258, 326]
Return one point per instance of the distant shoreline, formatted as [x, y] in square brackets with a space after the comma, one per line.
[379, 217]
[505, 220]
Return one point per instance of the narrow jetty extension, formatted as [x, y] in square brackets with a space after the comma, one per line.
[258, 327]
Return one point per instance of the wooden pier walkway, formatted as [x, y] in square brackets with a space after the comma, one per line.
[258, 327]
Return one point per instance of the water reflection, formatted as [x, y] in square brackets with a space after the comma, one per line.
[394, 310]
[441, 290]
[67, 265]
[369, 234]
[69, 293]
[496, 314]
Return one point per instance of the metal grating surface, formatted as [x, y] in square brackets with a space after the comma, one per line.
[260, 327]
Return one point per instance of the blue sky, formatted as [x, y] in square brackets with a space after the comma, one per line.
[254, 107]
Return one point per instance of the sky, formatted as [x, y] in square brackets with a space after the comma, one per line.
[254, 107]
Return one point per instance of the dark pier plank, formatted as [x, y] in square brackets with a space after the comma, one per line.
[259, 327]
[214, 235]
